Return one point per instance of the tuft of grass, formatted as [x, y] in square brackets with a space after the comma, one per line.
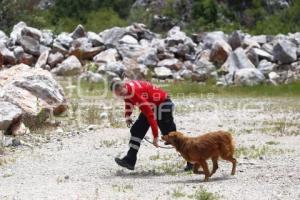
[6, 160]
[283, 127]
[178, 193]
[171, 168]
[122, 188]
[203, 194]
[108, 143]
[256, 152]
[162, 157]
[272, 143]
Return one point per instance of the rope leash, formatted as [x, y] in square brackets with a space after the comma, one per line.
[148, 140]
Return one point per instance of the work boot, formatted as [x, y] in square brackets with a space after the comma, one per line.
[126, 162]
[188, 167]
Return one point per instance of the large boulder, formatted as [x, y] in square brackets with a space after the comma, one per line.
[16, 32]
[128, 39]
[83, 49]
[115, 67]
[95, 39]
[266, 67]
[202, 70]
[149, 58]
[55, 58]
[8, 56]
[248, 77]
[220, 51]
[237, 60]
[69, 67]
[34, 91]
[236, 39]
[211, 37]
[79, 32]
[42, 60]
[143, 54]
[107, 56]
[64, 39]
[47, 37]
[162, 73]
[260, 39]
[172, 63]
[31, 32]
[261, 54]
[134, 70]
[9, 114]
[285, 52]
[141, 31]
[112, 36]
[30, 45]
[176, 36]
[27, 59]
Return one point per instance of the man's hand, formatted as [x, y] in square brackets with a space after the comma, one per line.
[155, 142]
[129, 122]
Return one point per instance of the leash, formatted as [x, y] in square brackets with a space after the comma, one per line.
[148, 140]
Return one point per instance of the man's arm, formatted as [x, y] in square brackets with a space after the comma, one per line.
[128, 108]
[147, 110]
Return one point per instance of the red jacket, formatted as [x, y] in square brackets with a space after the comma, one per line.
[146, 96]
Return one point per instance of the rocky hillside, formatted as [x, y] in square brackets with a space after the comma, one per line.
[135, 52]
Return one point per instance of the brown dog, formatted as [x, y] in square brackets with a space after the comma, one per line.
[198, 149]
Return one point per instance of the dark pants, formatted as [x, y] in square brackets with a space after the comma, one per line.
[165, 121]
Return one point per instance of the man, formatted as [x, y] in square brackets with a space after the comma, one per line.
[156, 111]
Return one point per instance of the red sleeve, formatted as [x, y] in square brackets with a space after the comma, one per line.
[128, 108]
[146, 109]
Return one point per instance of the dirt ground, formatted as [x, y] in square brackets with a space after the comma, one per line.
[74, 163]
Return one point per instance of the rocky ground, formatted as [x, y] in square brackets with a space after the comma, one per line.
[76, 161]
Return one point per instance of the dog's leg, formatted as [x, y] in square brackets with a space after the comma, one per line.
[215, 165]
[233, 161]
[195, 169]
[204, 165]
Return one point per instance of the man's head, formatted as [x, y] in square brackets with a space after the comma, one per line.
[117, 87]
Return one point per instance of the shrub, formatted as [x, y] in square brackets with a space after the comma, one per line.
[102, 19]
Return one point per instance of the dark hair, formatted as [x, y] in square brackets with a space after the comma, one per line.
[115, 84]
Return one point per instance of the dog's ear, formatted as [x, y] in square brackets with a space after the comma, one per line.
[175, 136]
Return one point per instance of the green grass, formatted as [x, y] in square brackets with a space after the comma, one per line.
[180, 89]
[256, 152]
[170, 168]
[199, 194]
[196, 89]
[122, 188]
[272, 143]
[203, 194]
[178, 193]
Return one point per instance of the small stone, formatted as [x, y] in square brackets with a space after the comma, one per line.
[16, 142]
[103, 115]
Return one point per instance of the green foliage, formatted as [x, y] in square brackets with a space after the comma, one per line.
[102, 19]
[281, 22]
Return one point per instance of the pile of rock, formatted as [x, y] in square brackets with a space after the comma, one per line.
[136, 53]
